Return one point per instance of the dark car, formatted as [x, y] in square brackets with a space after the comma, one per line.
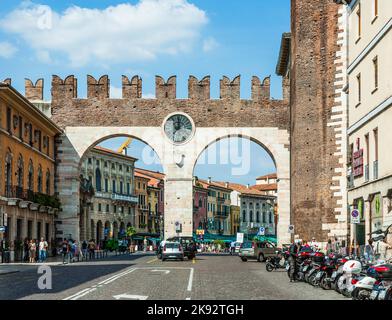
[188, 245]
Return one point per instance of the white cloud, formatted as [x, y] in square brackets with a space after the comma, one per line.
[116, 34]
[7, 50]
[210, 44]
[148, 96]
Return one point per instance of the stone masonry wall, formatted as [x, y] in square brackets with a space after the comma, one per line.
[315, 141]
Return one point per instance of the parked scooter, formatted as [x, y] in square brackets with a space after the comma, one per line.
[275, 263]
[351, 271]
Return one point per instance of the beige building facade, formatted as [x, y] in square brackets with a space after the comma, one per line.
[369, 100]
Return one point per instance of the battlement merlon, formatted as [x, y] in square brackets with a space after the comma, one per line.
[34, 92]
[132, 88]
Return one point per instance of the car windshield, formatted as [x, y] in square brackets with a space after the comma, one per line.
[247, 245]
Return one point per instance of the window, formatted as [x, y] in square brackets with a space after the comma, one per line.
[20, 172]
[113, 166]
[107, 208]
[20, 128]
[48, 182]
[138, 185]
[121, 187]
[89, 161]
[98, 180]
[99, 207]
[114, 186]
[115, 209]
[258, 216]
[106, 185]
[375, 69]
[359, 30]
[367, 148]
[127, 169]
[97, 163]
[200, 203]
[375, 134]
[30, 180]
[270, 218]
[251, 216]
[243, 216]
[9, 128]
[106, 164]
[264, 218]
[39, 179]
[120, 167]
[359, 88]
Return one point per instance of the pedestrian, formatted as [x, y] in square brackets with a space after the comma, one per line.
[293, 250]
[26, 250]
[84, 249]
[75, 251]
[329, 247]
[64, 246]
[232, 247]
[43, 248]
[314, 244]
[369, 251]
[91, 249]
[145, 244]
[32, 251]
[336, 245]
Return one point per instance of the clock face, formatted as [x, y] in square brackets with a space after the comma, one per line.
[178, 128]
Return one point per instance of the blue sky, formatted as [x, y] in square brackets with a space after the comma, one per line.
[147, 37]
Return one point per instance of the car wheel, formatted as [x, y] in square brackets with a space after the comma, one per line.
[260, 258]
[244, 259]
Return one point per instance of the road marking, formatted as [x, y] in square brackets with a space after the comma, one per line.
[190, 280]
[100, 284]
[130, 296]
[193, 260]
[188, 299]
[153, 260]
[160, 270]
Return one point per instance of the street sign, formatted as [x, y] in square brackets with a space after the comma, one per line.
[240, 237]
[355, 217]
[2, 229]
[261, 231]
[291, 228]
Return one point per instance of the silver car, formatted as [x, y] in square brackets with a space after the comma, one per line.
[172, 250]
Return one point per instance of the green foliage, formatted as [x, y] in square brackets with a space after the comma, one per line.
[112, 245]
[221, 242]
[131, 231]
[46, 200]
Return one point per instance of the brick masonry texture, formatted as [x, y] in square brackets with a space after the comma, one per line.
[229, 111]
[313, 142]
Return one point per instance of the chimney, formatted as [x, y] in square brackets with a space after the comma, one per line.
[226, 184]
[248, 186]
[209, 180]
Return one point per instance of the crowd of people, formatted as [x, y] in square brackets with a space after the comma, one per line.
[35, 250]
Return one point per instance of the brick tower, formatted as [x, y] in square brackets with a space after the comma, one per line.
[317, 121]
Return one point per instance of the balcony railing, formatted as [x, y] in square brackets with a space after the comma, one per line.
[375, 170]
[16, 192]
[366, 173]
[221, 214]
[125, 197]
[221, 199]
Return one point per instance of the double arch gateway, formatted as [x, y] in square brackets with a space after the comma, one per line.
[87, 122]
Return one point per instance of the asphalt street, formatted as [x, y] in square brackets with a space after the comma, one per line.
[144, 277]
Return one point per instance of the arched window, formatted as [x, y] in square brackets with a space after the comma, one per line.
[30, 182]
[270, 218]
[20, 171]
[257, 217]
[8, 173]
[48, 182]
[98, 180]
[39, 180]
[243, 216]
[264, 218]
[251, 216]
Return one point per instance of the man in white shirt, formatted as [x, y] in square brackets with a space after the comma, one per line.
[43, 248]
[314, 244]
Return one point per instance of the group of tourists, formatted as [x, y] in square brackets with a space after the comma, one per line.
[35, 251]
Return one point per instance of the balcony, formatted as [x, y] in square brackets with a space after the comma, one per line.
[143, 207]
[375, 170]
[125, 198]
[36, 198]
[220, 214]
[221, 200]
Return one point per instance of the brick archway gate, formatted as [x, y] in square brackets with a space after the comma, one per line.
[89, 121]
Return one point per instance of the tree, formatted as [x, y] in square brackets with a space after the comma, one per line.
[131, 231]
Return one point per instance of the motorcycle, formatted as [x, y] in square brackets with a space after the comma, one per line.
[274, 263]
[351, 271]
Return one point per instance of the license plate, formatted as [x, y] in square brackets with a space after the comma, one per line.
[382, 294]
[373, 295]
[334, 275]
[318, 275]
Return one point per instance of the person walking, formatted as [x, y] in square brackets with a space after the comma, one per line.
[336, 245]
[26, 244]
[369, 251]
[65, 249]
[91, 249]
[43, 248]
[84, 249]
[32, 251]
[232, 247]
[329, 247]
[293, 250]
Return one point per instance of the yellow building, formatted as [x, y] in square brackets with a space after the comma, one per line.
[141, 184]
[27, 169]
[235, 219]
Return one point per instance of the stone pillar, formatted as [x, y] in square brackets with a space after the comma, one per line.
[178, 207]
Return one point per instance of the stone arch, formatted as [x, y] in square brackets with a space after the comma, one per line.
[115, 230]
[276, 143]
